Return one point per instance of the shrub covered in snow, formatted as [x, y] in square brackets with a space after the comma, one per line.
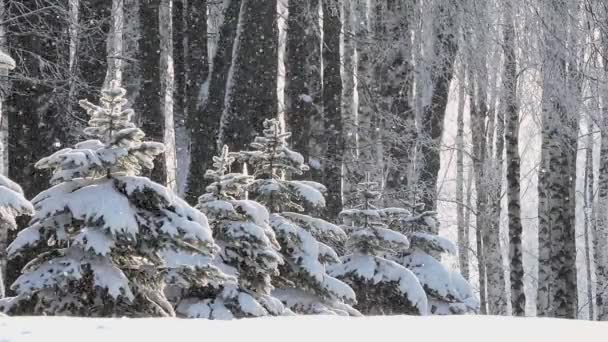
[306, 242]
[249, 249]
[12, 205]
[383, 286]
[111, 237]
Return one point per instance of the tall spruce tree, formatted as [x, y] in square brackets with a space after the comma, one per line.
[108, 257]
[303, 283]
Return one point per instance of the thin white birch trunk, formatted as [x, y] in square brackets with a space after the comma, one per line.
[115, 44]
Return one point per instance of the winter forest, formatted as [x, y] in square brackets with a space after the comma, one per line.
[227, 159]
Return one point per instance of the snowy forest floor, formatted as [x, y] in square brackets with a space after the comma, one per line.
[302, 328]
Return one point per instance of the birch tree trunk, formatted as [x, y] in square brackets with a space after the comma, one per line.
[516, 275]
[588, 212]
[479, 152]
[115, 44]
[557, 286]
[600, 239]
[463, 227]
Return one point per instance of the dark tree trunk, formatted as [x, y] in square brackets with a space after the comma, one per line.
[149, 106]
[332, 108]
[445, 48]
[196, 69]
[205, 133]
[396, 81]
[303, 88]
[253, 94]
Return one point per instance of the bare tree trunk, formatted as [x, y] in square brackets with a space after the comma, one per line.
[349, 111]
[115, 44]
[196, 71]
[588, 211]
[395, 78]
[150, 102]
[600, 238]
[445, 47]
[518, 297]
[206, 136]
[303, 83]
[253, 95]
[463, 227]
[557, 286]
[332, 108]
[479, 153]
[167, 85]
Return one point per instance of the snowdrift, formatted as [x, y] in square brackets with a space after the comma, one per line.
[302, 328]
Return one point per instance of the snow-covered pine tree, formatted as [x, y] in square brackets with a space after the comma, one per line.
[12, 205]
[110, 236]
[249, 249]
[448, 291]
[383, 286]
[306, 242]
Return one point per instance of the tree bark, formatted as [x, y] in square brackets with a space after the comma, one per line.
[396, 83]
[445, 47]
[205, 133]
[332, 108]
[462, 226]
[557, 286]
[600, 236]
[115, 44]
[252, 95]
[303, 83]
[516, 275]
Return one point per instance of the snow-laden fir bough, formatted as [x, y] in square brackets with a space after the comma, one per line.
[111, 237]
[12, 205]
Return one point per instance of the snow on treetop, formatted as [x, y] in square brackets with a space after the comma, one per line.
[272, 154]
[116, 146]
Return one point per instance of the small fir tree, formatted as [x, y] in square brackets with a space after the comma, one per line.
[447, 291]
[383, 286]
[12, 205]
[249, 249]
[306, 242]
[111, 237]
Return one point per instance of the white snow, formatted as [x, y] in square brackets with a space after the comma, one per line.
[303, 328]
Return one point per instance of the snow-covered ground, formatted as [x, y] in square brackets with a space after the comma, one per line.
[302, 328]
